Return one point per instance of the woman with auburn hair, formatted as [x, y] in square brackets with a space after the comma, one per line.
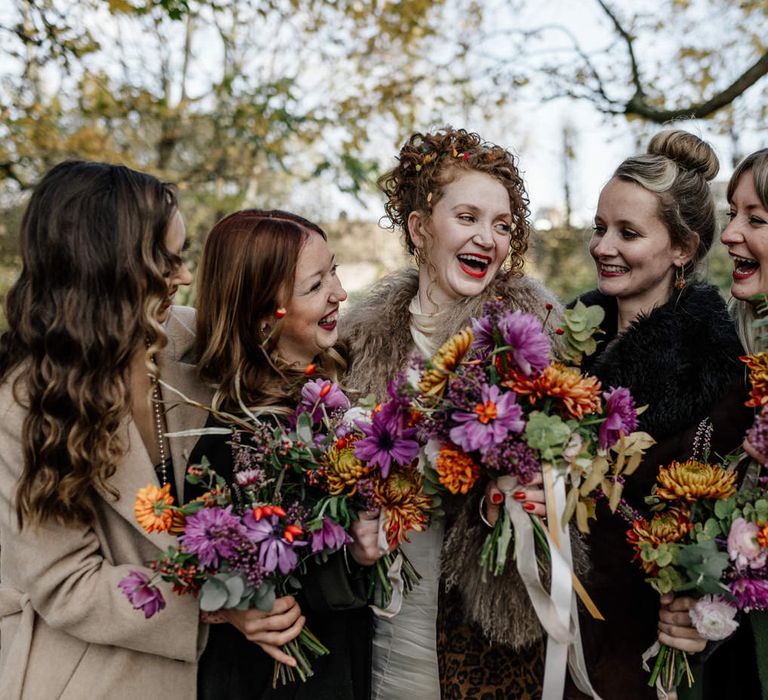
[268, 304]
[91, 328]
[461, 207]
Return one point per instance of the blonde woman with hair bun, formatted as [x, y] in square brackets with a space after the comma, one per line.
[669, 339]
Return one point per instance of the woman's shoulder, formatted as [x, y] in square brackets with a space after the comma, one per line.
[180, 330]
[387, 298]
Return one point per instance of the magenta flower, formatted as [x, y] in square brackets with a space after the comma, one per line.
[275, 552]
[621, 416]
[521, 332]
[212, 534]
[750, 593]
[386, 441]
[330, 537]
[319, 394]
[497, 415]
[141, 594]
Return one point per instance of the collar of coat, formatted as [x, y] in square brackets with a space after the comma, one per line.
[376, 330]
[679, 359]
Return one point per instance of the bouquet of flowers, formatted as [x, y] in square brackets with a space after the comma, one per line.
[298, 485]
[369, 463]
[707, 540]
[497, 404]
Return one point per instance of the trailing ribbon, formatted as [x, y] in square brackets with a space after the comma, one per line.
[556, 608]
[394, 575]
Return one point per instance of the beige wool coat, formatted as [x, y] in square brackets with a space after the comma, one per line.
[66, 629]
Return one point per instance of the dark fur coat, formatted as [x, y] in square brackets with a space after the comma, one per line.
[682, 360]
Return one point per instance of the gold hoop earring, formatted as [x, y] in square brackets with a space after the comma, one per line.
[679, 278]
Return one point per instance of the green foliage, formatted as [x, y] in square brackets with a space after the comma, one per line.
[548, 434]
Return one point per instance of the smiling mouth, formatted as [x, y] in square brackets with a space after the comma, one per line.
[474, 265]
[328, 322]
[612, 270]
[743, 267]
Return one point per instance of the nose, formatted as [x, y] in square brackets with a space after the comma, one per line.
[338, 293]
[484, 235]
[602, 246]
[731, 234]
[183, 277]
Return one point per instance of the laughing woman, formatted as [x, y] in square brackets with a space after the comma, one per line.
[668, 339]
[462, 209]
[90, 329]
[268, 304]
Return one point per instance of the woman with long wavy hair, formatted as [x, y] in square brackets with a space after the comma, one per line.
[268, 305]
[91, 329]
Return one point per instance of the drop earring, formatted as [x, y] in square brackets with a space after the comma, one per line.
[679, 278]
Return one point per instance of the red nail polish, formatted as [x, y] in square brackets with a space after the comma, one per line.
[529, 506]
[496, 498]
[519, 495]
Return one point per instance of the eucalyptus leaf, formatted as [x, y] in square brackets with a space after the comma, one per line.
[213, 595]
[264, 596]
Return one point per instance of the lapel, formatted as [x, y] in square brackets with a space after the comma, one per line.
[135, 470]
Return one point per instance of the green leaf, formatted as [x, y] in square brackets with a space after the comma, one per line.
[213, 595]
[264, 596]
[724, 508]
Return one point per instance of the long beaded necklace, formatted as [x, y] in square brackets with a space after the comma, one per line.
[157, 410]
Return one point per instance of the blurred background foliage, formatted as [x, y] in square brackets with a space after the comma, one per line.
[300, 103]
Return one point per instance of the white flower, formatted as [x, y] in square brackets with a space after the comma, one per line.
[713, 618]
[743, 548]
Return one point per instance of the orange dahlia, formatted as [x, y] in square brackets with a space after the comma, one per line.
[758, 378]
[342, 469]
[579, 394]
[671, 525]
[445, 361]
[152, 508]
[692, 480]
[405, 504]
[456, 470]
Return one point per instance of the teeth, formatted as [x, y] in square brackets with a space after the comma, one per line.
[474, 258]
[613, 268]
[737, 259]
[330, 318]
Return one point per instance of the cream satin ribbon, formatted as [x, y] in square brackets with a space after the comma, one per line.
[394, 575]
[556, 609]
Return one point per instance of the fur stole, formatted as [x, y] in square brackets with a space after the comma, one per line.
[679, 359]
[376, 331]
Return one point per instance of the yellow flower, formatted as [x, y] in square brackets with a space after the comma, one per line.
[445, 361]
[343, 469]
[405, 504]
[152, 508]
[758, 378]
[456, 470]
[692, 480]
[579, 394]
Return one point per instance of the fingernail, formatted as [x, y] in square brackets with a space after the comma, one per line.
[519, 495]
[496, 498]
[529, 506]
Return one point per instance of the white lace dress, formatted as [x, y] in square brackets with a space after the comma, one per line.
[405, 646]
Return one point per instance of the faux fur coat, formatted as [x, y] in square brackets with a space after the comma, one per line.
[376, 332]
[682, 360]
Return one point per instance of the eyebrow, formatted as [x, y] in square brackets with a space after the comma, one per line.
[474, 207]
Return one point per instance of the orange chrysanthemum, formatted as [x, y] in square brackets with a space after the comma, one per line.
[758, 378]
[762, 536]
[580, 395]
[692, 480]
[456, 470]
[445, 361]
[152, 508]
[405, 504]
[671, 525]
[343, 470]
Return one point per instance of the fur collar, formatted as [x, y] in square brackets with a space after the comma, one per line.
[376, 330]
[679, 359]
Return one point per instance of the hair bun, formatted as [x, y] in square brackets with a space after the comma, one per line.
[687, 150]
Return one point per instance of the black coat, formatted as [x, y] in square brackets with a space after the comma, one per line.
[232, 668]
[682, 360]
